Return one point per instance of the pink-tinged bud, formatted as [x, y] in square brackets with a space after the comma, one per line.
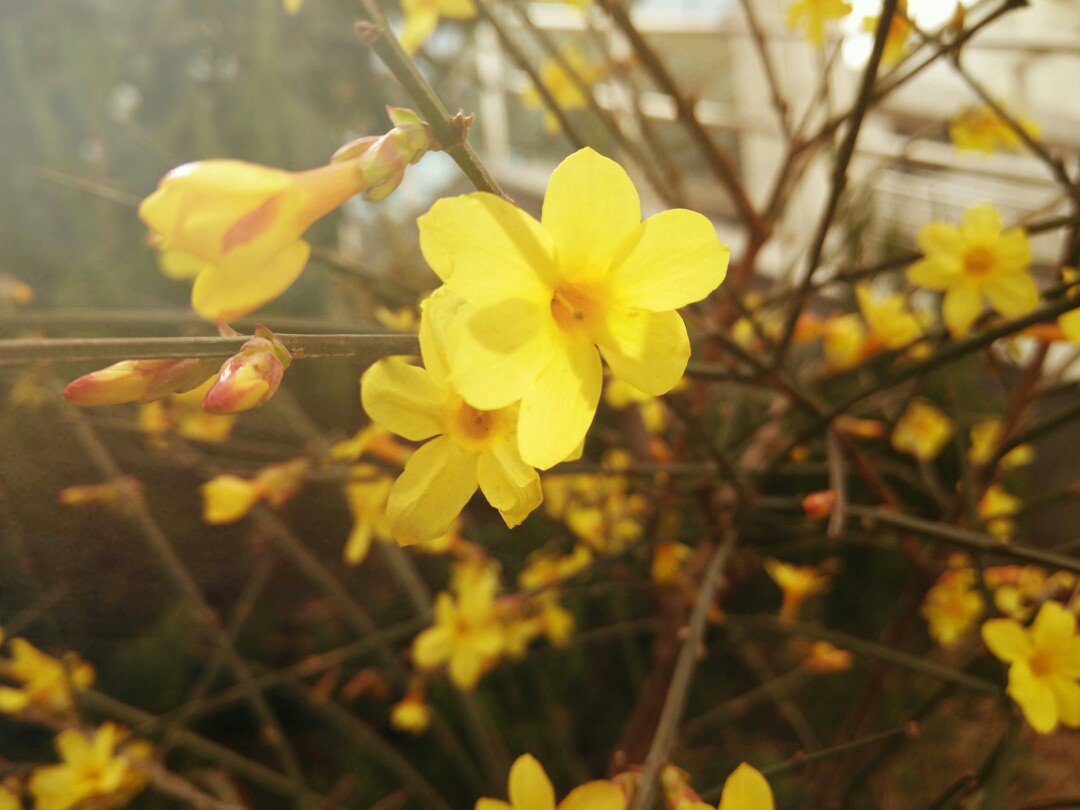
[381, 161]
[819, 504]
[138, 381]
[250, 377]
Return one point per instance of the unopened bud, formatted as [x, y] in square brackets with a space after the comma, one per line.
[250, 377]
[819, 504]
[381, 161]
[138, 381]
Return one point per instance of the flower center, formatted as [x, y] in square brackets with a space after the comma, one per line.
[978, 262]
[1041, 663]
[474, 428]
[575, 307]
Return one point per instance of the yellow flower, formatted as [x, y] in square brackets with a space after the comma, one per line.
[562, 87]
[545, 569]
[985, 438]
[228, 498]
[14, 292]
[411, 714]
[973, 261]
[43, 682]
[530, 789]
[980, 129]
[1044, 665]
[952, 606]
[467, 634]
[668, 560]
[366, 493]
[94, 772]
[548, 294]
[471, 447]
[798, 582]
[422, 16]
[843, 339]
[892, 324]
[922, 430]
[745, 789]
[900, 28]
[995, 507]
[813, 15]
[1018, 590]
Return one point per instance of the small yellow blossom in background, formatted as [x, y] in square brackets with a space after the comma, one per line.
[404, 319]
[842, 339]
[1018, 590]
[599, 510]
[952, 606]
[1044, 665]
[468, 447]
[985, 436]
[814, 15]
[798, 583]
[668, 560]
[243, 222]
[422, 17]
[562, 87]
[411, 714]
[40, 681]
[183, 414]
[544, 569]
[745, 789]
[892, 323]
[373, 441]
[900, 28]
[995, 508]
[823, 657]
[620, 395]
[15, 293]
[979, 129]
[922, 430]
[467, 635]
[292, 6]
[112, 493]
[97, 771]
[228, 498]
[859, 427]
[974, 261]
[548, 294]
[366, 493]
[530, 789]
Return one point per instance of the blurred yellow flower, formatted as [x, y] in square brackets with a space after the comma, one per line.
[562, 87]
[922, 430]
[1044, 665]
[411, 714]
[823, 657]
[972, 261]
[952, 606]
[843, 338]
[544, 569]
[548, 294]
[14, 292]
[468, 448]
[366, 492]
[980, 129]
[530, 789]
[668, 559]
[1018, 590]
[745, 789]
[404, 319]
[41, 681]
[986, 435]
[798, 583]
[422, 17]
[892, 323]
[900, 28]
[228, 498]
[97, 772]
[814, 15]
[995, 508]
[620, 395]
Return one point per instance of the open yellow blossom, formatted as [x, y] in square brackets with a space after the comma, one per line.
[980, 129]
[562, 87]
[1018, 590]
[974, 261]
[422, 17]
[892, 323]
[547, 294]
[952, 606]
[798, 582]
[96, 771]
[814, 15]
[469, 446]
[922, 430]
[41, 681]
[745, 789]
[530, 789]
[995, 509]
[1044, 665]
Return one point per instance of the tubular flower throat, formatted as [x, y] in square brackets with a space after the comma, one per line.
[469, 447]
[546, 295]
[972, 261]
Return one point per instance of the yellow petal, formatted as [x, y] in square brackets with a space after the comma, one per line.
[557, 411]
[746, 789]
[465, 668]
[941, 238]
[508, 483]
[981, 225]
[597, 795]
[589, 207]
[440, 316]
[673, 259]
[530, 788]
[647, 349]
[432, 646]
[936, 272]
[1013, 251]
[180, 266]
[1067, 697]
[403, 399]
[1053, 626]
[457, 9]
[437, 482]
[501, 352]
[1012, 294]
[420, 21]
[227, 294]
[960, 307]
[492, 804]
[1034, 696]
[1006, 639]
[487, 250]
